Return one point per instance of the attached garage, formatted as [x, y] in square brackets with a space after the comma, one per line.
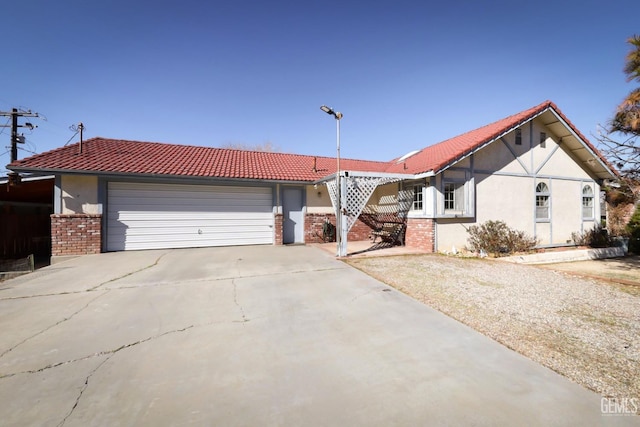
[160, 216]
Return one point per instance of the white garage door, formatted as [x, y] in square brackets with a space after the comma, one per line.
[158, 216]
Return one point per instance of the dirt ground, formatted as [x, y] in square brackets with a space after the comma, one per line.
[617, 270]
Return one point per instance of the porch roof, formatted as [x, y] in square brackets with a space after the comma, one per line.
[388, 177]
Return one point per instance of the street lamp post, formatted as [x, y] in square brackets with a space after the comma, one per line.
[340, 251]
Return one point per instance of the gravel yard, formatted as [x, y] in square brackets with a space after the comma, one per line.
[584, 329]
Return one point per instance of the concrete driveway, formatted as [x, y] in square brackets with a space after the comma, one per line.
[253, 336]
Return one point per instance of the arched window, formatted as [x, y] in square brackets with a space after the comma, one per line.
[587, 202]
[542, 201]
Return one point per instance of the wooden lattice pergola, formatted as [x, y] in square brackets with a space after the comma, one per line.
[357, 188]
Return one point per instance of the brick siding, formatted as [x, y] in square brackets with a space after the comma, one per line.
[76, 234]
[314, 223]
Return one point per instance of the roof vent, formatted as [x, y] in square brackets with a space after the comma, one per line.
[406, 156]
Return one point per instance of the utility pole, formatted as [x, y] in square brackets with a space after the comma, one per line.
[14, 135]
[14, 178]
[15, 139]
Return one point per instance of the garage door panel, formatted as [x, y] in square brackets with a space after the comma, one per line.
[165, 224]
[215, 192]
[193, 232]
[212, 194]
[189, 216]
[191, 241]
[182, 204]
[155, 216]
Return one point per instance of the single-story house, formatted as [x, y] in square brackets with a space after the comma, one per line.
[533, 170]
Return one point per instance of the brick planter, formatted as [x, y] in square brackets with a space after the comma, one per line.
[75, 234]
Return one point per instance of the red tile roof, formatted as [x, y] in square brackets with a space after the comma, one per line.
[436, 157]
[100, 155]
[110, 156]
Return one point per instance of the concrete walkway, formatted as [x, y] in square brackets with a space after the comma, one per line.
[255, 336]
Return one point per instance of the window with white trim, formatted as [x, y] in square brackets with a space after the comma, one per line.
[543, 140]
[587, 202]
[418, 196]
[542, 201]
[454, 202]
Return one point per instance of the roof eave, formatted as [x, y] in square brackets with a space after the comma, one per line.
[610, 172]
[120, 175]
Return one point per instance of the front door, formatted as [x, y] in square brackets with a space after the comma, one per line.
[293, 217]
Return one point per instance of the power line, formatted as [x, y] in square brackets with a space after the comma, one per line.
[6, 125]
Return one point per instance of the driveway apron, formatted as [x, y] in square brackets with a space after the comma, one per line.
[257, 335]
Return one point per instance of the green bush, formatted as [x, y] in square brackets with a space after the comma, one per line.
[496, 238]
[633, 228]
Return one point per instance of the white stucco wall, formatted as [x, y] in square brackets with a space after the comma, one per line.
[79, 194]
[318, 200]
[385, 199]
[566, 213]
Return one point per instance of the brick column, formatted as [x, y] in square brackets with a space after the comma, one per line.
[421, 233]
[278, 229]
[75, 234]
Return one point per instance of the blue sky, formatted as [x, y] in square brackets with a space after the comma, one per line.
[405, 74]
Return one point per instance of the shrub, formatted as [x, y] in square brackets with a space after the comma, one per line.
[496, 238]
[597, 237]
[633, 228]
[617, 219]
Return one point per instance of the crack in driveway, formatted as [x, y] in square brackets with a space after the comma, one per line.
[130, 273]
[182, 282]
[235, 300]
[52, 326]
[110, 354]
[84, 387]
[100, 353]
[91, 289]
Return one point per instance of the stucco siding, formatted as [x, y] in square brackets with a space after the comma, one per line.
[318, 200]
[566, 205]
[464, 163]
[543, 233]
[506, 198]
[450, 234]
[540, 152]
[385, 199]
[497, 156]
[512, 199]
[506, 175]
[498, 198]
[562, 165]
[79, 195]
